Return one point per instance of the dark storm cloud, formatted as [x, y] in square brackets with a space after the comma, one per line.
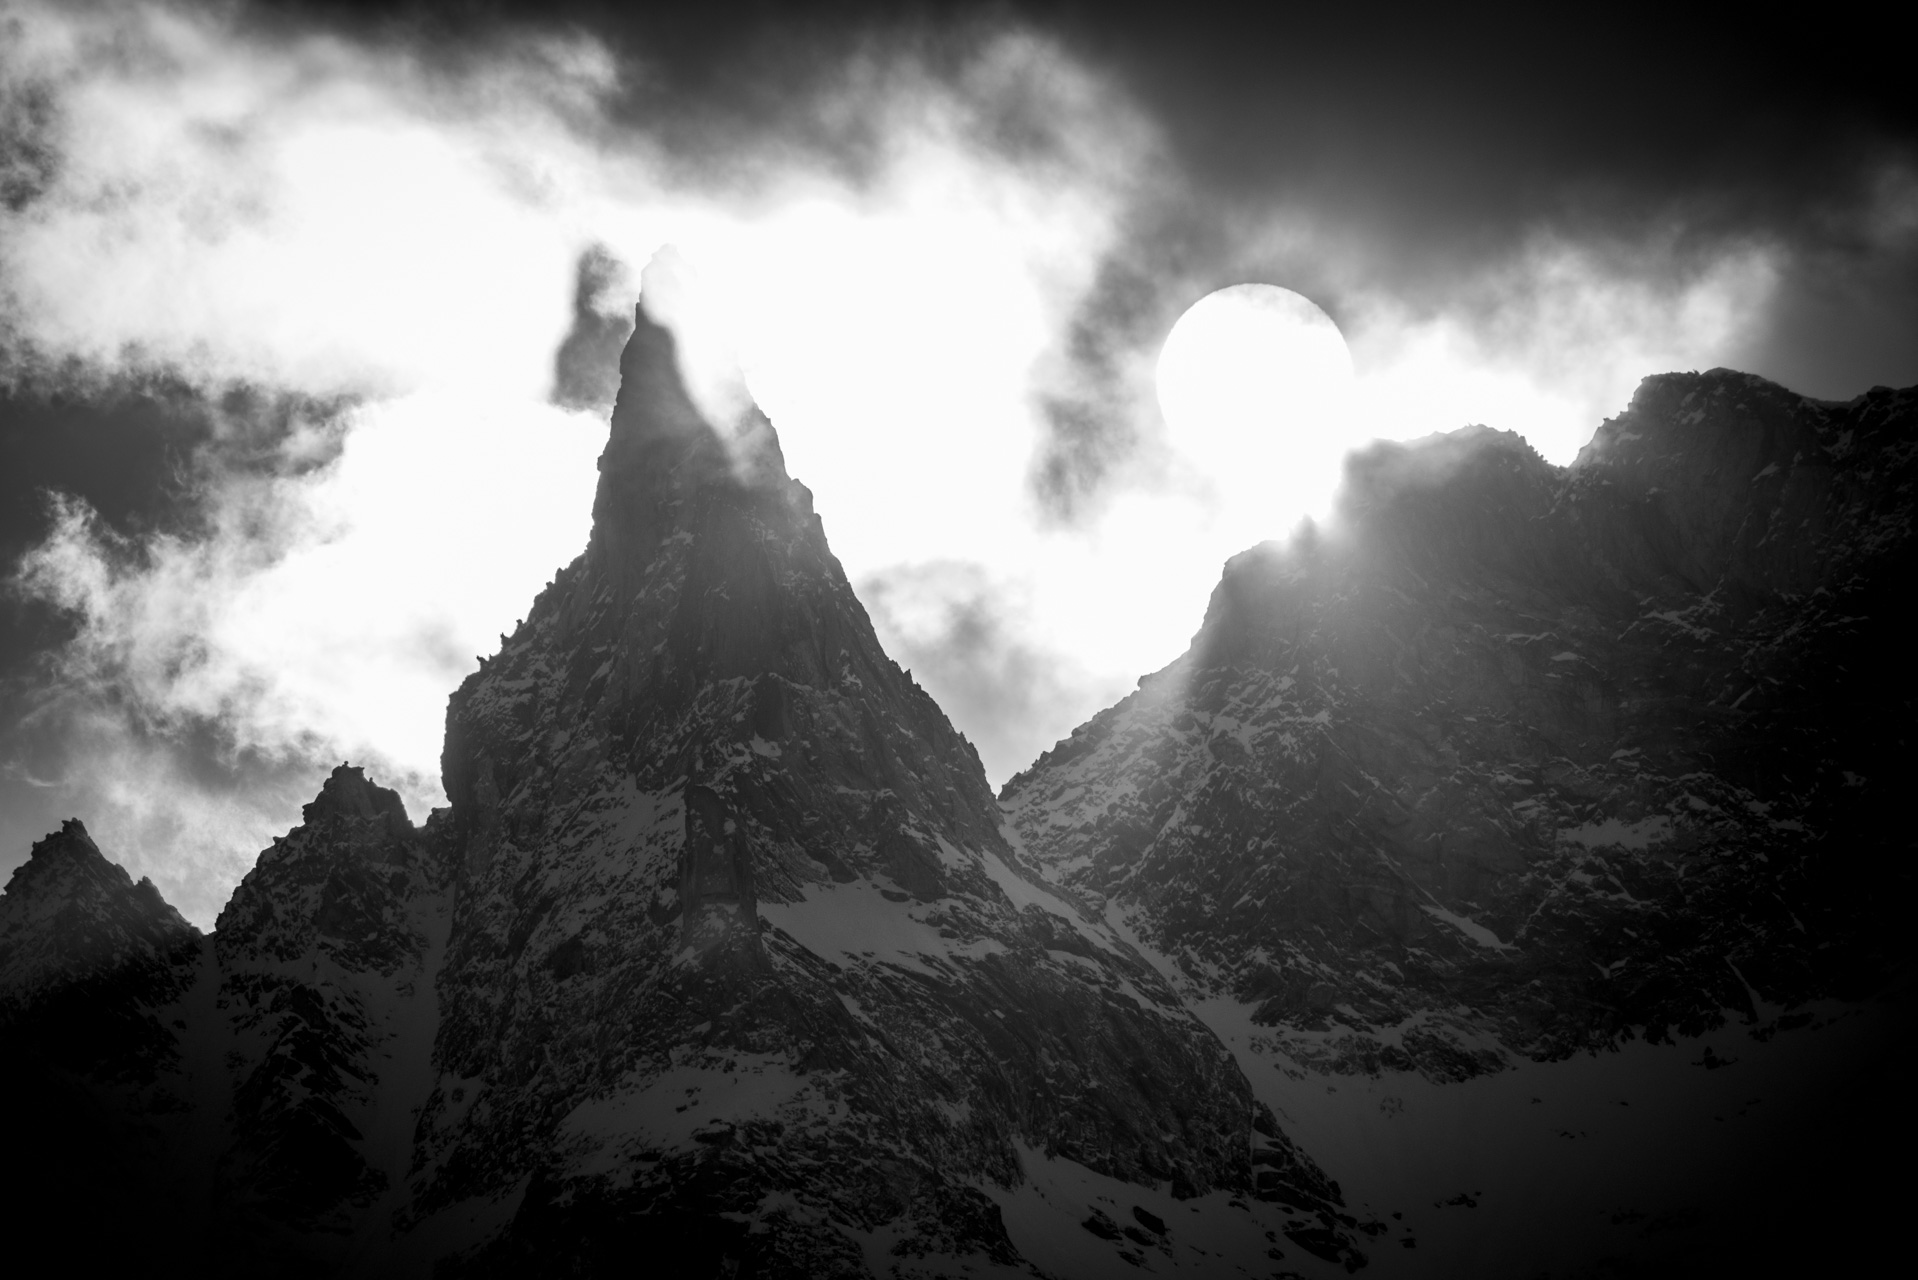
[134, 445]
[134, 449]
[28, 155]
[1410, 154]
[721, 88]
[1338, 152]
[1432, 135]
[586, 366]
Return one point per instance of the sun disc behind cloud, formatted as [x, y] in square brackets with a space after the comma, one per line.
[1255, 382]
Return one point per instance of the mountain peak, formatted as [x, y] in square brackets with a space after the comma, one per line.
[1713, 419]
[348, 793]
[69, 912]
[684, 425]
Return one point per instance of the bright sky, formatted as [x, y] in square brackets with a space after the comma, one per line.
[315, 216]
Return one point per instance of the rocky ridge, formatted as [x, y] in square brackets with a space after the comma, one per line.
[1515, 760]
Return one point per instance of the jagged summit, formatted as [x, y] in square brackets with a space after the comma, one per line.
[664, 448]
[69, 913]
[348, 793]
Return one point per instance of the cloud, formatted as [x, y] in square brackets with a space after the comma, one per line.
[1547, 336]
[968, 637]
[1552, 340]
[1845, 314]
[175, 803]
[430, 249]
[586, 366]
[218, 206]
[324, 613]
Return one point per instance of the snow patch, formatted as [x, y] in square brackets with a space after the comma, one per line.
[858, 922]
[1470, 928]
[1206, 1236]
[1616, 833]
[667, 1110]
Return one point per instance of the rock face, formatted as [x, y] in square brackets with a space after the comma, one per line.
[1518, 760]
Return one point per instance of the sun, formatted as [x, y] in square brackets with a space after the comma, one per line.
[1256, 385]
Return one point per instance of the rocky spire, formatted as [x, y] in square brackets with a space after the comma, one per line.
[730, 872]
[347, 793]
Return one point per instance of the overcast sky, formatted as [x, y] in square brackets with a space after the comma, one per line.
[308, 316]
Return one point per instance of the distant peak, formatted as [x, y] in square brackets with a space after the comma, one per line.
[1718, 416]
[69, 910]
[1379, 475]
[348, 793]
[71, 840]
